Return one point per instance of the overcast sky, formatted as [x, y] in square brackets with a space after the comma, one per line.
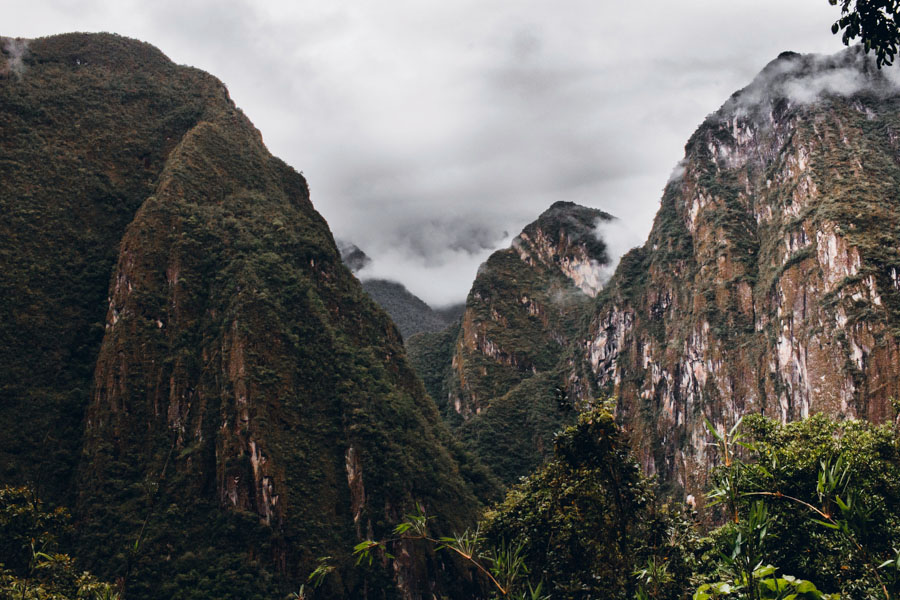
[432, 131]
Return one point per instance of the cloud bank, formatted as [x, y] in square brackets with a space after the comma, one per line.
[427, 130]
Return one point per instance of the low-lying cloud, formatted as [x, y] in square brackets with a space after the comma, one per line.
[14, 49]
[620, 236]
[435, 280]
[807, 79]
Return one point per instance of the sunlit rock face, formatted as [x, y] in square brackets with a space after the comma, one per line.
[769, 282]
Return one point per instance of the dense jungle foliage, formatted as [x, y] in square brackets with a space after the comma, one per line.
[31, 564]
[805, 510]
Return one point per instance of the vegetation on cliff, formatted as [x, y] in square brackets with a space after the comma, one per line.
[767, 283]
[87, 124]
[499, 375]
[171, 293]
[408, 311]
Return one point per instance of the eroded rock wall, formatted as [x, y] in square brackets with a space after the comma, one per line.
[768, 282]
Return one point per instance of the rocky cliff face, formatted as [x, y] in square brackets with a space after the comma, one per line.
[522, 310]
[499, 381]
[246, 407]
[769, 281]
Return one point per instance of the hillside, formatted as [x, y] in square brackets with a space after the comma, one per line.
[407, 310]
[224, 402]
[411, 314]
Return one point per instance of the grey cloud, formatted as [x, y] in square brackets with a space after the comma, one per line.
[619, 236]
[677, 172]
[15, 49]
[427, 130]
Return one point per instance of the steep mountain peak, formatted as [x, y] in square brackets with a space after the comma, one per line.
[502, 363]
[793, 80]
[769, 280]
[565, 238]
[352, 255]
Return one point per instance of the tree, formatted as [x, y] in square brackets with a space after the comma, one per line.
[31, 568]
[580, 519]
[874, 22]
[819, 498]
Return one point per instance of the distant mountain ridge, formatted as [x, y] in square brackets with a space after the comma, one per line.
[411, 314]
[353, 256]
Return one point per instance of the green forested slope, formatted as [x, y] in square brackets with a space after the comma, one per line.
[87, 123]
[170, 290]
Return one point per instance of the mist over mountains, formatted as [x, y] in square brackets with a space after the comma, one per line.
[228, 400]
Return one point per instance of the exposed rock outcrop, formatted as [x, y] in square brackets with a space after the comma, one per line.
[768, 283]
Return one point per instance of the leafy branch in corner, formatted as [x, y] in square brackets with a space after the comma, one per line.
[874, 22]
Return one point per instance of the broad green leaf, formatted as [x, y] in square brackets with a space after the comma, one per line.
[714, 431]
[764, 571]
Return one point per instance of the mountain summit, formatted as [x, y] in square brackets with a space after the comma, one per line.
[498, 374]
[769, 282]
[225, 401]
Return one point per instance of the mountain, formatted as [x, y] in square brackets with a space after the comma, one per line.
[185, 361]
[498, 375]
[769, 282]
[407, 310]
[352, 255]
[411, 314]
